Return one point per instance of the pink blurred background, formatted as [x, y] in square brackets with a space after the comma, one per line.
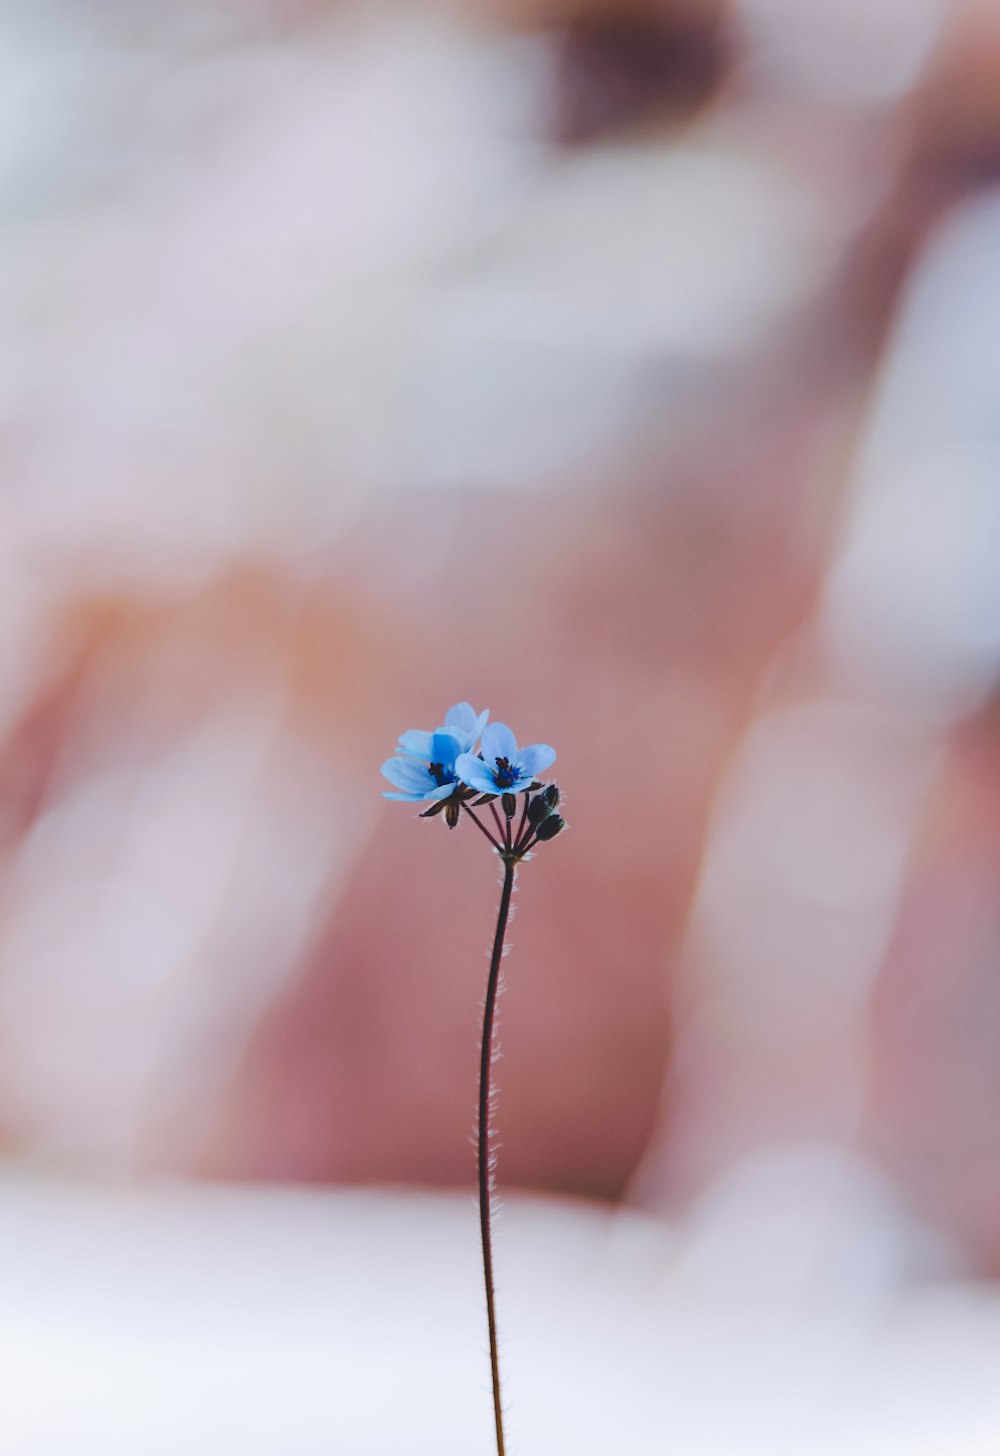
[629, 369]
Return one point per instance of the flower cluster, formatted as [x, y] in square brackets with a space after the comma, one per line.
[424, 767]
[467, 756]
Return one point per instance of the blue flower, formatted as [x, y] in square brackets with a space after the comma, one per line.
[461, 721]
[424, 767]
[501, 767]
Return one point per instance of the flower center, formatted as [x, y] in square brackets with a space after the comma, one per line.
[506, 773]
[440, 774]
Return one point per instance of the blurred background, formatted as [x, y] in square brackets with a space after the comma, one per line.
[630, 368]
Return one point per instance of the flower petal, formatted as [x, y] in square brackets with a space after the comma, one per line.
[445, 791]
[407, 798]
[464, 719]
[498, 742]
[415, 743]
[462, 716]
[472, 771]
[536, 758]
[524, 782]
[445, 747]
[407, 774]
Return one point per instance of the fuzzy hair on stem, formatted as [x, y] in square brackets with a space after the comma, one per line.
[486, 1162]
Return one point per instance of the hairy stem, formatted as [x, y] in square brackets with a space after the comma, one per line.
[485, 1074]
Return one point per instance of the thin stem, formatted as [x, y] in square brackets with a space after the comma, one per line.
[480, 825]
[497, 820]
[485, 1070]
[520, 827]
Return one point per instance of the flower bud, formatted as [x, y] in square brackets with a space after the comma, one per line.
[550, 827]
[551, 795]
[537, 810]
[509, 802]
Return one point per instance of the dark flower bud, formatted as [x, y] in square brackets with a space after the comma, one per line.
[452, 809]
[537, 810]
[551, 795]
[509, 802]
[549, 828]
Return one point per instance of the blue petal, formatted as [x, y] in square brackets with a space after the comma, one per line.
[420, 796]
[445, 791]
[445, 748]
[472, 771]
[415, 743]
[467, 763]
[463, 718]
[536, 758]
[499, 742]
[407, 774]
[523, 782]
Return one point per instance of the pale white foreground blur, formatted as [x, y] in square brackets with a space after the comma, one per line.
[287, 1323]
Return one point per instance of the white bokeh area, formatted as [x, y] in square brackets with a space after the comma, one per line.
[250, 1323]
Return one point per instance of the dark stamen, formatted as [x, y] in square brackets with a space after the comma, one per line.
[506, 773]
